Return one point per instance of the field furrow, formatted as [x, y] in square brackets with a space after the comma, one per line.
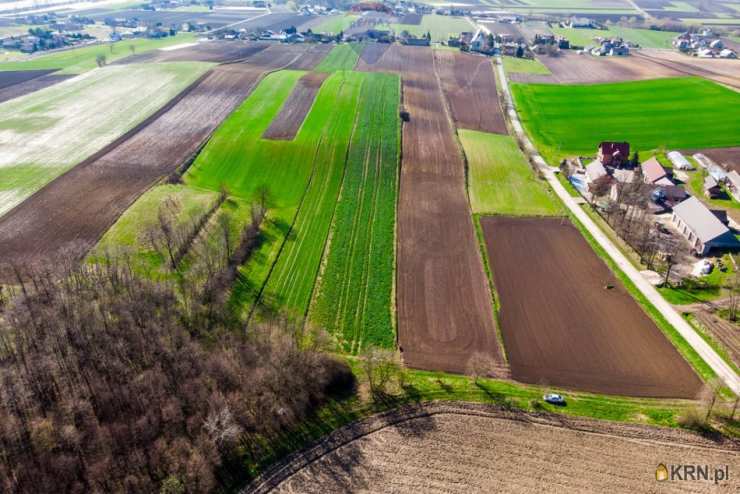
[353, 299]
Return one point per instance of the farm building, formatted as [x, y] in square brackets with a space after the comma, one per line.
[733, 184]
[679, 161]
[594, 171]
[711, 187]
[654, 173]
[703, 230]
[613, 153]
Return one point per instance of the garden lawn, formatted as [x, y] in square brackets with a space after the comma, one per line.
[500, 178]
[128, 234]
[680, 113]
[524, 66]
[82, 59]
[335, 24]
[353, 298]
[341, 57]
[441, 27]
[45, 133]
[300, 178]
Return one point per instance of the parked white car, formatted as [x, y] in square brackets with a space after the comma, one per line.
[554, 399]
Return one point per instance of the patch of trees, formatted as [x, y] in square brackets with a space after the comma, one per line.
[109, 382]
[628, 214]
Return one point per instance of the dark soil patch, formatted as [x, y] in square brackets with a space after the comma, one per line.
[563, 326]
[30, 86]
[470, 88]
[13, 77]
[296, 107]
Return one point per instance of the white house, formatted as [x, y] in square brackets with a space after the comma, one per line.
[700, 227]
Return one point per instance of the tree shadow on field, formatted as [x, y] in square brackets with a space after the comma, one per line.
[498, 399]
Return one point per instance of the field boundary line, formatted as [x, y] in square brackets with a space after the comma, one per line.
[653, 297]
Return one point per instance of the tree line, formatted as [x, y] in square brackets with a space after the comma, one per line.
[114, 382]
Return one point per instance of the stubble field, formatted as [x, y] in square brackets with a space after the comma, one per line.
[44, 134]
[472, 449]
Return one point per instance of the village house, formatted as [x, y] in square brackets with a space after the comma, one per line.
[701, 228]
[613, 153]
[654, 173]
[711, 187]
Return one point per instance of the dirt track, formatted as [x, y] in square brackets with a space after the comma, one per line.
[463, 448]
[470, 88]
[562, 326]
[286, 124]
[571, 68]
[443, 300]
[68, 216]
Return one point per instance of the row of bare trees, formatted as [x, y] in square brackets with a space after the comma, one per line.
[114, 382]
[627, 212]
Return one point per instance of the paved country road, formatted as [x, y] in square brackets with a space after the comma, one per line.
[719, 366]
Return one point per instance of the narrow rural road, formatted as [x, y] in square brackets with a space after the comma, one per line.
[706, 352]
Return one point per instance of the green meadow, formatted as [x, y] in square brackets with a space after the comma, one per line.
[335, 24]
[646, 38]
[678, 113]
[524, 66]
[79, 60]
[440, 27]
[500, 179]
[341, 57]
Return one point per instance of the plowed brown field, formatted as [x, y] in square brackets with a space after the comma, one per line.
[69, 215]
[470, 88]
[563, 326]
[443, 300]
[471, 449]
[286, 124]
[27, 86]
[571, 68]
[727, 157]
[723, 71]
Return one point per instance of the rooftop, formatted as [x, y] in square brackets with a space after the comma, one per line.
[700, 219]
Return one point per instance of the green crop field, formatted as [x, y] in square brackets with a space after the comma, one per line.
[328, 128]
[677, 113]
[524, 66]
[47, 132]
[79, 60]
[353, 299]
[646, 38]
[335, 24]
[500, 179]
[302, 181]
[441, 27]
[341, 57]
